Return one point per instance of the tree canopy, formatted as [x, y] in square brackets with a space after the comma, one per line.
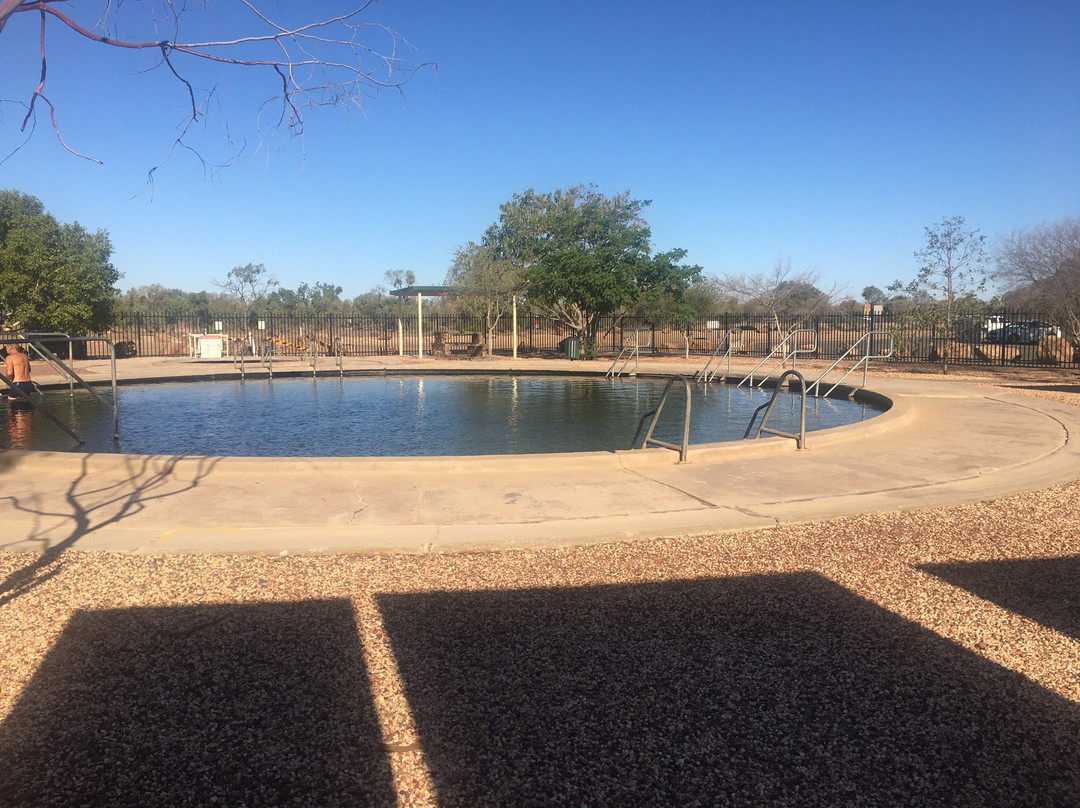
[248, 285]
[952, 264]
[53, 276]
[582, 256]
[317, 298]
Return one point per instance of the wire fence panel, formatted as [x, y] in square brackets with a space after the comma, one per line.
[1003, 338]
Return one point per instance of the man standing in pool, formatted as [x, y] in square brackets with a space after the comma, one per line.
[17, 364]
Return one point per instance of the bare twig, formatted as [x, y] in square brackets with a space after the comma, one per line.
[325, 62]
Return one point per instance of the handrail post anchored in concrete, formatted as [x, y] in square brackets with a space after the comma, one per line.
[800, 437]
[684, 449]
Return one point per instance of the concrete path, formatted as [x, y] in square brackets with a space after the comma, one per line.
[943, 441]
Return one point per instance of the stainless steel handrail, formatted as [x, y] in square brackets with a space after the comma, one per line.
[864, 361]
[268, 357]
[34, 340]
[792, 355]
[729, 347]
[684, 449]
[38, 408]
[39, 335]
[238, 359]
[800, 438]
[635, 354]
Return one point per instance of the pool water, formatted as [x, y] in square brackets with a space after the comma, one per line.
[411, 416]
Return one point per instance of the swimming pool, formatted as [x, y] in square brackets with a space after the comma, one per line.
[406, 416]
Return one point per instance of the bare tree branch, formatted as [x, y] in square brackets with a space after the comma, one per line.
[320, 63]
[780, 291]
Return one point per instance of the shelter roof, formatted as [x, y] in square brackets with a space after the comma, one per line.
[433, 291]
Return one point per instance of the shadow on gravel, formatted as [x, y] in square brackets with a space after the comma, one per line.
[765, 690]
[1046, 590]
[257, 705]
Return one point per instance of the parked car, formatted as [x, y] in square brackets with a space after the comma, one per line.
[1025, 332]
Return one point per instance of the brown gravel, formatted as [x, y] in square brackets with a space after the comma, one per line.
[918, 658]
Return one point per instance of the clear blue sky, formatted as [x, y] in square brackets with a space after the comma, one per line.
[826, 133]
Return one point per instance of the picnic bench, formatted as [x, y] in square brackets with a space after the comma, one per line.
[445, 342]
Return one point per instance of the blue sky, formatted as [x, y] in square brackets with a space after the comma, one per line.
[824, 133]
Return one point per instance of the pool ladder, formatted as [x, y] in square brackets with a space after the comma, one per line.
[723, 351]
[36, 341]
[879, 345]
[629, 353]
[790, 349]
[800, 437]
[683, 449]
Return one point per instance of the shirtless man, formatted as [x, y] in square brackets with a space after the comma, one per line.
[18, 368]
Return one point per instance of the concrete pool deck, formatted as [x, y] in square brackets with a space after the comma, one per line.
[944, 441]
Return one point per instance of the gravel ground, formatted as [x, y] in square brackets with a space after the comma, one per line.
[921, 658]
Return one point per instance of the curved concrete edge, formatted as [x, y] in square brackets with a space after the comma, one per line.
[1054, 457]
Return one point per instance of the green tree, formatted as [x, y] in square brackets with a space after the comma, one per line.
[871, 294]
[53, 276]
[584, 256]
[707, 296]
[487, 283]
[399, 278]
[318, 298]
[156, 299]
[953, 264]
[247, 285]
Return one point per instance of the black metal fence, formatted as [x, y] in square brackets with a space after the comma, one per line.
[1002, 338]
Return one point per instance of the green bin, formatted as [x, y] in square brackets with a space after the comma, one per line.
[573, 348]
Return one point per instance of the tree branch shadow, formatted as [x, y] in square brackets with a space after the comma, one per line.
[95, 507]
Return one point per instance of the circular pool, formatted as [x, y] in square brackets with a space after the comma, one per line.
[406, 416]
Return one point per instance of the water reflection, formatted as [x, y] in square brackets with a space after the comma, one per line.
[20, 426]
[414, 416]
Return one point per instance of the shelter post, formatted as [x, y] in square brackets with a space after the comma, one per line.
[515, 328]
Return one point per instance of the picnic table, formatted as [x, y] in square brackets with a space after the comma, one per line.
[445, 342]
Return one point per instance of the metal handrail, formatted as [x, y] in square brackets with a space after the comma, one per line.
[815, 386]
[684, 449]
[267, 357]
[238, 359]
[800, 438]
[33, 339]
[39, 335]
[635, 354]
[792, 354]
[729, 346]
